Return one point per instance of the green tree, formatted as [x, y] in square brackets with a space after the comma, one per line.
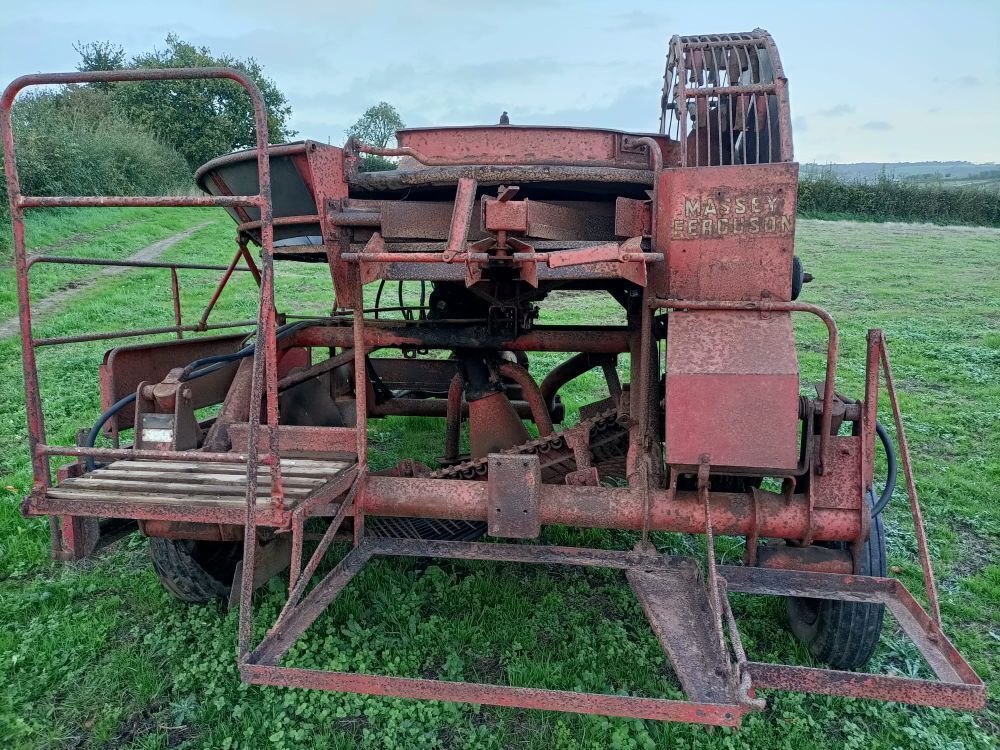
[100, 56]
[202, 119]
[376, 127]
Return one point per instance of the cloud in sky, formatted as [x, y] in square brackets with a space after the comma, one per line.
[569, 62]
[837, 110]
[637, 19]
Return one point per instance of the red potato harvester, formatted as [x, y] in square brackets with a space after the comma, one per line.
[690, 231]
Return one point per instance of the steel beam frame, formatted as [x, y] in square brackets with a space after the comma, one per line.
[958, 685]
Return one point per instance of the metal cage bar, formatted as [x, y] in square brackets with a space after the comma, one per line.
[19, 202]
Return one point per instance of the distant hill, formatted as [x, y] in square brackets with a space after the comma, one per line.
[947, 173]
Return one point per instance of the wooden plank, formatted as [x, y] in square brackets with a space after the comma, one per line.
[136, 498]
[286, 463]
[302, 474]
[297, 467]
[197, 512]
[304, 462]
[187, 477]
[151, 488]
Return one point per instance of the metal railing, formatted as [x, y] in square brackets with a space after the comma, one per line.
[264, 366]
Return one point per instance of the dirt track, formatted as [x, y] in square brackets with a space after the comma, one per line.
[11, 326]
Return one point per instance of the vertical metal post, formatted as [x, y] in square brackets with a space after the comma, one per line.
[264, 365]
[642, 400]
[361, 404]
[870, 414]
[175, 292]
[682, 113]
[32, 393]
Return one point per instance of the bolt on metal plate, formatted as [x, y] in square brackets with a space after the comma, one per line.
[514, 482]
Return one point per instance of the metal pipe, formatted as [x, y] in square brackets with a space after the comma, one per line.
[361, 388]
[655, 154]
[733, 513]
[126, 263]
[278, 221]
[569, 370]
[175, 294]
[417, 257]
[32, 392]
[433, 407]
[453, 426]
[396, 334]
[363, 148]
[222, 284]
[138, 332]
[135, 201]
[355, 218]
[529, 389]
[911, 487]
[248, 258]
[558, 258]
[300, 376]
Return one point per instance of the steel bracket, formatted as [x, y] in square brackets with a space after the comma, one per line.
[514, 508]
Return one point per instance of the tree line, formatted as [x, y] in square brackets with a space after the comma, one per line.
[147, 138]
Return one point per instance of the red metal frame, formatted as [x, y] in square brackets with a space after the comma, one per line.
[40, 451]
[957, 686]
[648, 256]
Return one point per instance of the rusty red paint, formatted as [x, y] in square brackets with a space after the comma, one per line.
[532, 394]
[710, 243]
[810, 558]
[767, 306]
[496, 695]
[618, 508]
[522, 145]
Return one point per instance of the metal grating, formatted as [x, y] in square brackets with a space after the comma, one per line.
[725, 100]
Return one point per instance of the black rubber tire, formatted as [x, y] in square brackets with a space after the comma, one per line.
[843, 634]
[195, 571]
[798, 277]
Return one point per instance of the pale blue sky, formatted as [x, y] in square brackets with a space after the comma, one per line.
[869, 81]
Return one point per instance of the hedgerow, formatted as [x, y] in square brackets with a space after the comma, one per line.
[73, 142]
[888, 199]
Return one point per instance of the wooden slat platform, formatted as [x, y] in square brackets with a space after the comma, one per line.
[184, 486]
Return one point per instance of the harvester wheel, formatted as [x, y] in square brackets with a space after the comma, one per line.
[195, 571]
[843, 634]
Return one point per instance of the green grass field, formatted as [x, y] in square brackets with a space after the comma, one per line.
[96, 654]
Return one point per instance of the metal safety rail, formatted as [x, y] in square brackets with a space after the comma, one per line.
[264, 379]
